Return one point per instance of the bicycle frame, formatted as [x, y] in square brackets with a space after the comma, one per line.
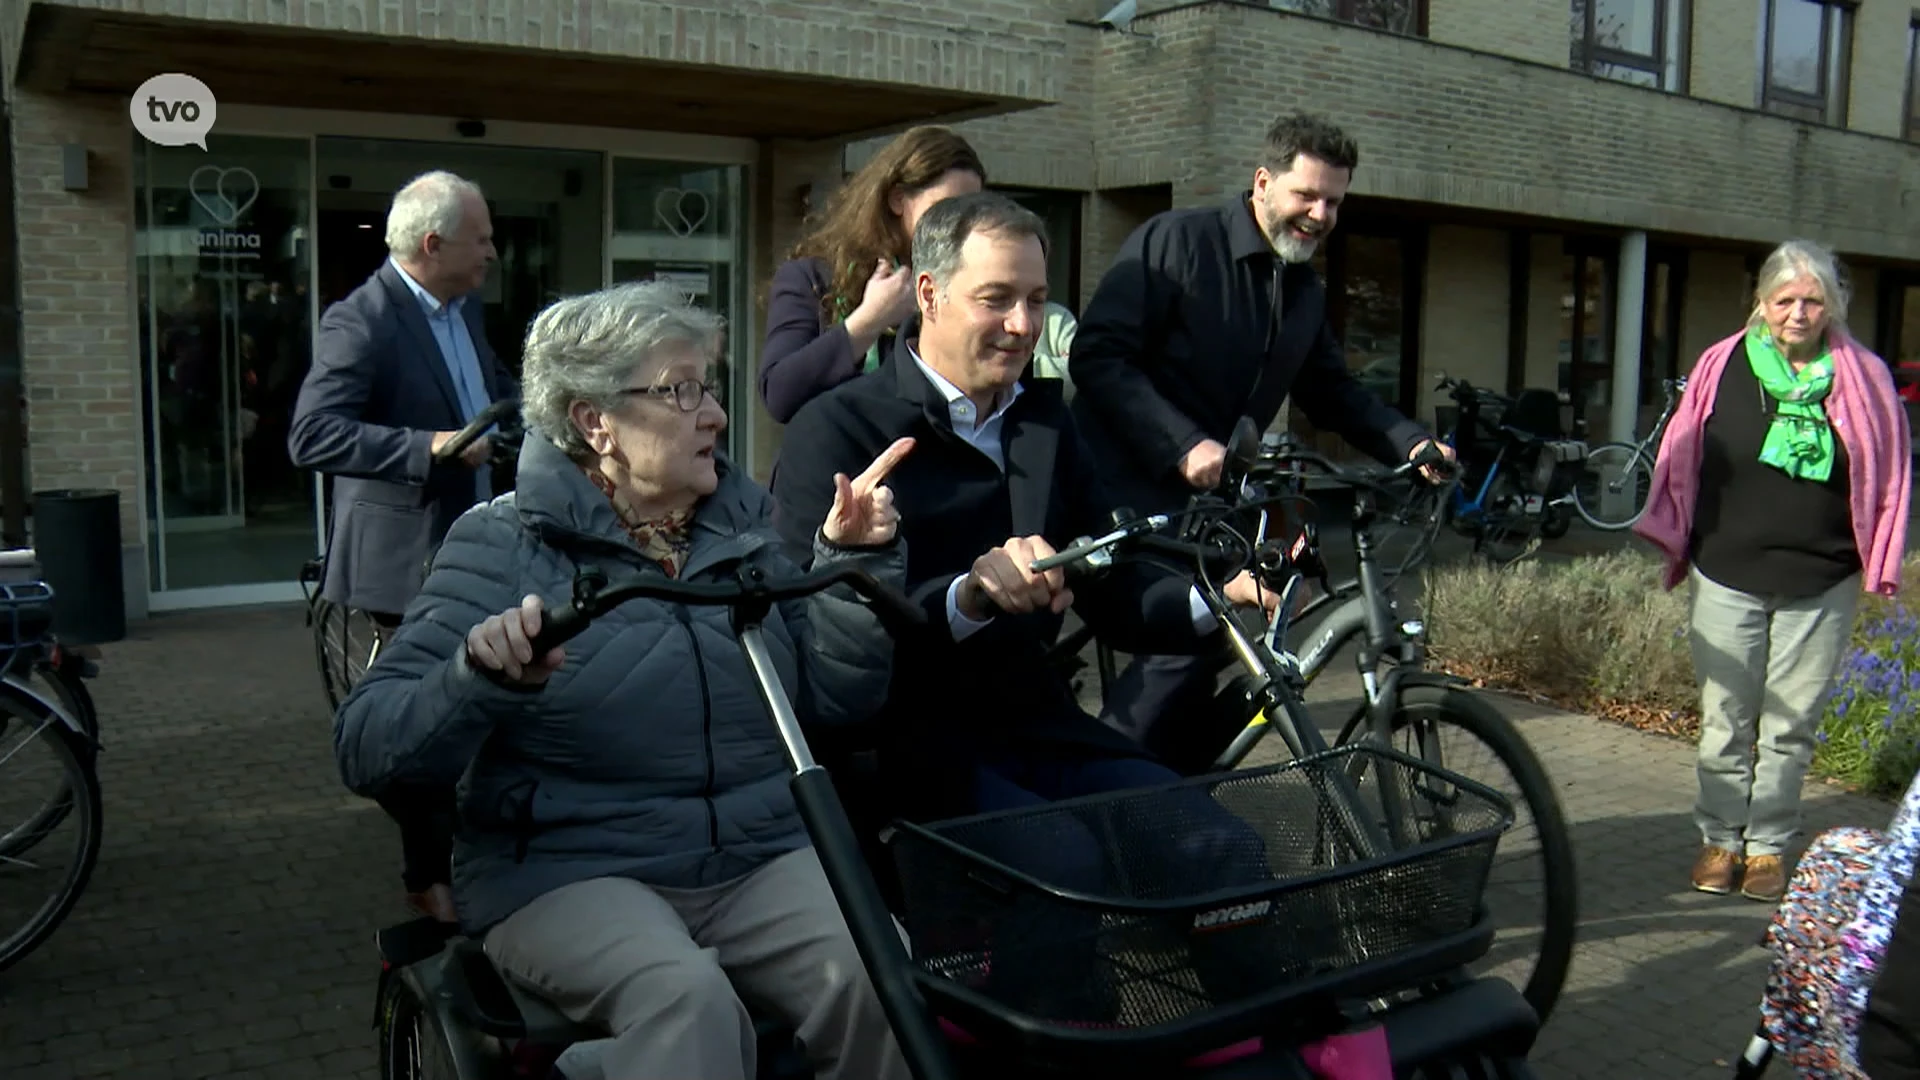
[1367, 610]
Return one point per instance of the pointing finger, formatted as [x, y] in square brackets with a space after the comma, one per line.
[885, 463]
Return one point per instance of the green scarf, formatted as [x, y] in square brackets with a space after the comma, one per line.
[1799, 441]
[841, 309]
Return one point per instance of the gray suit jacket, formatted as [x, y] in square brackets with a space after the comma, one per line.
[378, 390]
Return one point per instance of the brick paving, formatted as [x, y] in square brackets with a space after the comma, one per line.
[228, 929]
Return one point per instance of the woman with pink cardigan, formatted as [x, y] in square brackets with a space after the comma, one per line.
[1781, 493]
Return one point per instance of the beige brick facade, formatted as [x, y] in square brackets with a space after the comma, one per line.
[1480, 126]
[1533, 30]
[76, 300]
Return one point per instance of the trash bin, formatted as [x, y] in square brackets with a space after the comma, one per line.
[76, 535]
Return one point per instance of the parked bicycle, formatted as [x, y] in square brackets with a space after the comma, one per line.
[346, 640]
[48, 747]
[1437, 716]
[1519, 470]
[1394, 893]
[1612, 491]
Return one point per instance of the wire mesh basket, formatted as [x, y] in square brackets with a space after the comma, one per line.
[1203, 905]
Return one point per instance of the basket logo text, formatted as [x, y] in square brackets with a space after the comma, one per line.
[1236, 915]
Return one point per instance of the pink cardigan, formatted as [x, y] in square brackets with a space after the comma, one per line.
[1868, 418]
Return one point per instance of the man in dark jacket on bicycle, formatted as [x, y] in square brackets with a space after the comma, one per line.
[1210, 314]
[978, 718]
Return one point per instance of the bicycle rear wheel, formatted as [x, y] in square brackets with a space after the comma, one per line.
[1614, 483]
[34, 741]
[1533, 889]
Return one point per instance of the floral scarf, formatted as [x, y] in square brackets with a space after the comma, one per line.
[665, 540]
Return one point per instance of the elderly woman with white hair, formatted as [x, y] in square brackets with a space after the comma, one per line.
[1783, 483]
[627, 845]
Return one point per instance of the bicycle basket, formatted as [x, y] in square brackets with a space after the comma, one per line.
[26, 615]
[1197, 908]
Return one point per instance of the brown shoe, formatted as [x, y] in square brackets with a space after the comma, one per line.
[1765, 879]
[1714, 870]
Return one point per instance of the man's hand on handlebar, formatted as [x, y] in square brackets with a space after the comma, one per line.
[1245, 591]
[475, 455]
[1000, 580]
[1434, 474]
[1203, 464]
[504, 644]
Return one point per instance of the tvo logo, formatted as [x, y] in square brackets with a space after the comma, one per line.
[173, 110]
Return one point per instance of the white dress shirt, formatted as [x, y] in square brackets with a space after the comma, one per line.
[983, 434]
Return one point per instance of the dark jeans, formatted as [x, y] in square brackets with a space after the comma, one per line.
[1165, 705]
[425, 814]
[1178, 845]
[1890, 1031]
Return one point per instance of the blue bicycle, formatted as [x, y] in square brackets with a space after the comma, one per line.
[1518, 471]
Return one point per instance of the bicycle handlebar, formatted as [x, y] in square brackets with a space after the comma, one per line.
[593, 597]
[467, 436]
[1273, 458]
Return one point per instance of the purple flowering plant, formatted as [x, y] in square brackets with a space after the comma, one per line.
[1870, 733]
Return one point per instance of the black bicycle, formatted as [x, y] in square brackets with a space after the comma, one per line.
[1435, 717]
[48, 746]
[1392, 896]
[346, 639]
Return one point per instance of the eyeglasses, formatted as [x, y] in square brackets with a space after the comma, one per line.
[687, 393]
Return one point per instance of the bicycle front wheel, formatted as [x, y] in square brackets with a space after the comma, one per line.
[1532, 890]
[345, 641]
[1612, 490]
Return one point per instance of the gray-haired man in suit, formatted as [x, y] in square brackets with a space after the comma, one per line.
[400, 365]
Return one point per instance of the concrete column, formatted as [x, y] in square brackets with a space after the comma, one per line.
[1629, 313]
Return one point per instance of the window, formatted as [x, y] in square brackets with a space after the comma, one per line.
[1805, 48]
[1643, 42]
[1395, 16]
[1913, 78]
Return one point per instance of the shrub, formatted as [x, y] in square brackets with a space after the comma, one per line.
[1598, 634]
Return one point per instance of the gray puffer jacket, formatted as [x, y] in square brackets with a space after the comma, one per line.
[649, 754]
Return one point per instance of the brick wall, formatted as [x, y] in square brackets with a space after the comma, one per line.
[80, 370]
[1546, 290]
[1449, 127]
[1715, 303]
[1463, 325]
[1534, 30]
[1725, 41]
[1878, 92]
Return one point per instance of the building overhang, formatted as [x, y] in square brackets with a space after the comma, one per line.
[70, 49]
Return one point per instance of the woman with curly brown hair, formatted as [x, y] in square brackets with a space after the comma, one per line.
[833, 308]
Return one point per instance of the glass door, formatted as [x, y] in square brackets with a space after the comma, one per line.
[222, 263]
[686, 222]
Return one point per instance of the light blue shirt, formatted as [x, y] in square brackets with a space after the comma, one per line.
[457, 351]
